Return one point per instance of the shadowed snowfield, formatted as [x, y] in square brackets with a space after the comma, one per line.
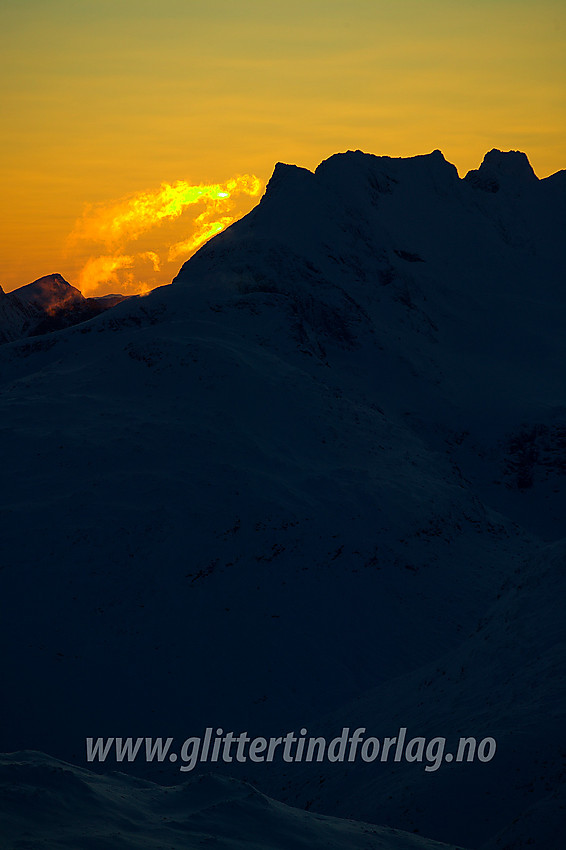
[55, 805]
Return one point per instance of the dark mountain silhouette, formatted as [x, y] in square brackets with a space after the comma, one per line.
[318, 481]
[48, 304]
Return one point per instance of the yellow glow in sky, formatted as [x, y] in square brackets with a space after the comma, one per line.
[104, 100]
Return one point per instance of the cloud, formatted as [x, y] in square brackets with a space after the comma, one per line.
[153, 258]
[103, 270]
[117, 223]
[205, 230]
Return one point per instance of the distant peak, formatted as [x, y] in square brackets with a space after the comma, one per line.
[49, 292]
[54, 280]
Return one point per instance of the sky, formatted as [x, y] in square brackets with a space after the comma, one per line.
[124, 122]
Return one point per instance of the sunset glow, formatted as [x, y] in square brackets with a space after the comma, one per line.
[156, 104]
[121, 222]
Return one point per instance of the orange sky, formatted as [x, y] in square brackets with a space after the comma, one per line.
[104, 102]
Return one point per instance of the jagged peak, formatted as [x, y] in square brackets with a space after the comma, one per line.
[340, 168]
[358, 156]
[286, 174]
[507, 169]
[381, 174]
[514, 163]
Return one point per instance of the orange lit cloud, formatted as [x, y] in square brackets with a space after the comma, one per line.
[153, 258]
[102, 270]
[205, 230]
[123, 221]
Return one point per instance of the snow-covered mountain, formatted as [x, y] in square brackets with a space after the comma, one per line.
[47, 304]
[317, 481]
[119, 811]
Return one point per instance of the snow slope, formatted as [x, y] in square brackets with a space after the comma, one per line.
[50, 804]
[300, 475]
[506, 681]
